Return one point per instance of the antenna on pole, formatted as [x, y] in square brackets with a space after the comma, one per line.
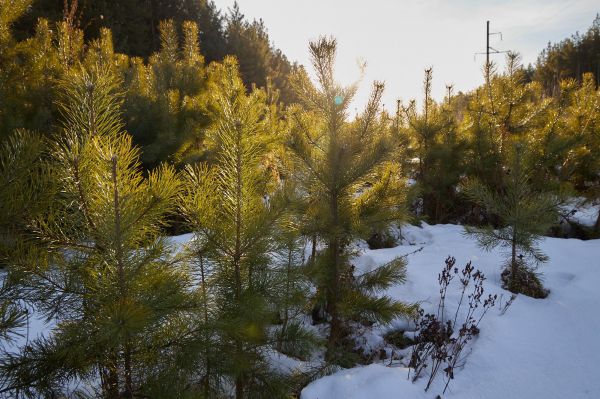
[488, 49]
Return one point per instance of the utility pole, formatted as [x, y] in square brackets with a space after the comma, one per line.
[449, 88]
[487, 45]
[489, 49]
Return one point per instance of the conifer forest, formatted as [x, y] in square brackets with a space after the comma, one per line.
[186, 212]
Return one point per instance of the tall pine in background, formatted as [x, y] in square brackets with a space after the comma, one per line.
[439, 152]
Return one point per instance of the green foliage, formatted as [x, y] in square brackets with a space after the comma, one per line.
[166, 102]
[398, 339]
[22, 197]
[360, 301]
[559, 133]
[21, 193]
[234, 211]
[136, 32]
[26, 74]
[84, 207]
[525, 215]
[10, 11]
[291, 288]
[109, 280]
[503, 111]
[440, 153]
[580, 137]
[349, 187]
[570, 58]
[260, 63]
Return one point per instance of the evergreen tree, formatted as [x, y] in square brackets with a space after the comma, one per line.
[108, 279]
[212, 30]
[504, 111]
[10, 11]
[351, 191]
[439, 151]
[260, 63]
[525, 215]
[250, 44]
[550, 142]
[571, 58]
[21, 198]
[166, 102]
[234, 210]
[26, 74]
[577, 162]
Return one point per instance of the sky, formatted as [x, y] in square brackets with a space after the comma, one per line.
[399, 39]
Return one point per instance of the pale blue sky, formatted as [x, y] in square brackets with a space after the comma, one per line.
[399, 39]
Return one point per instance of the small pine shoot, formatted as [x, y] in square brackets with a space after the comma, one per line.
[525, 214]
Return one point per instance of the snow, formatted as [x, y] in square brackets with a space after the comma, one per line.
[181, 240]
[540, 348]
[373, 381]
[582, 212]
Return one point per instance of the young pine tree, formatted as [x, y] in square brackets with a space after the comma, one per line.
[22, 196]
[234, 210]
[165, 104]
[27, 73]
[350, 191]
[580, 163]
[292, 287]
[505, 110]
[439, 151]
[525, 214]
[109, 281]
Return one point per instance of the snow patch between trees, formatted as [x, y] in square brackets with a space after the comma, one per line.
[546, 348]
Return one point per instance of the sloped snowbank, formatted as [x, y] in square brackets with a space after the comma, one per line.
[548, 348]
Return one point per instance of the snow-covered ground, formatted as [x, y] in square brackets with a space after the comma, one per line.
[582, 212]
[540, 348]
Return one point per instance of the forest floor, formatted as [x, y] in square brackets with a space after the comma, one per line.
[540, 348]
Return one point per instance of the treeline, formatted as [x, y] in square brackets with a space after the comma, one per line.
[476, 136]
[135, 25]
[101, 152]
[571, 58]
[150, 33]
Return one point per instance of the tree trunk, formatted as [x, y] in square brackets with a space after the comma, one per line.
[239, 381]
[514, 266]
[239, 387]
[287, 290]
[128, 380]
[206, 383]
[313, 254]
[128, 393]
[109, 379]
[333, 297]
[334, 281]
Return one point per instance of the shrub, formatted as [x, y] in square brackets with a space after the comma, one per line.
[439, 340]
